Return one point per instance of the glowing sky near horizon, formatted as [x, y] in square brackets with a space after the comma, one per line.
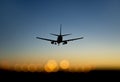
[97, 21]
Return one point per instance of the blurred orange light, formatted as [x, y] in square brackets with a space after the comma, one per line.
[24, 67]
[17, 67]
[38, 68]
[64, 64]
[86, 68]
[32, 68]
[51, 66]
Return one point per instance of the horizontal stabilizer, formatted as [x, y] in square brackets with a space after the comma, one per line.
[54, 34]
[66, 34]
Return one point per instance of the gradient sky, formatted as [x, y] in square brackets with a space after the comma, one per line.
[98, 21]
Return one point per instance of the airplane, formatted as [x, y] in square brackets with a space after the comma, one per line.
[59, 38]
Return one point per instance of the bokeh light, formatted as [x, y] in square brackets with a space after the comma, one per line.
[32, 68]
[51, 66]
[85, 68]
[17, 67]
[39, 68]
[64, 64]
[24, 67]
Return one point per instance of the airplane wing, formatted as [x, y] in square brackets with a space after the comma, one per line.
[73, 39]
[45, 39]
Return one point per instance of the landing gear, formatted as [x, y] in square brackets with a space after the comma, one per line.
[55, 43]
[65, 42]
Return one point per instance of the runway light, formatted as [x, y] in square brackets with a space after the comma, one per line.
[17, 67]
[51, 66]
[64, 64]
[87, 68]
[32, 68]
[24, 67]
[38, 68]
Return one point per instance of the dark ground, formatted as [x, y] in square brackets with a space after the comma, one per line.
[95, 75]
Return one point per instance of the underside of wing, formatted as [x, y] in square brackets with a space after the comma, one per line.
[72, 39]
[45, 39]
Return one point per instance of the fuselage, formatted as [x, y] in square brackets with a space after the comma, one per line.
[59, 39]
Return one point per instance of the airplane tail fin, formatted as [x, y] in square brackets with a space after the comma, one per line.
[60, 32]
[60, 29]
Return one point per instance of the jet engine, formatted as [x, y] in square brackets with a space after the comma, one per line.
[65, 42]
[52, 42]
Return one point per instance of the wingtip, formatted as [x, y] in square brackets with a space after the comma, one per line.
[37, 37]
[82, 37]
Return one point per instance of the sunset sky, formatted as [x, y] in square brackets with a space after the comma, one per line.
[98, 21]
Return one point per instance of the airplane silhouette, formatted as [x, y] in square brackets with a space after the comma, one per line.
[59, 38]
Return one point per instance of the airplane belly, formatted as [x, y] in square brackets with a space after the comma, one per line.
[59, 39]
